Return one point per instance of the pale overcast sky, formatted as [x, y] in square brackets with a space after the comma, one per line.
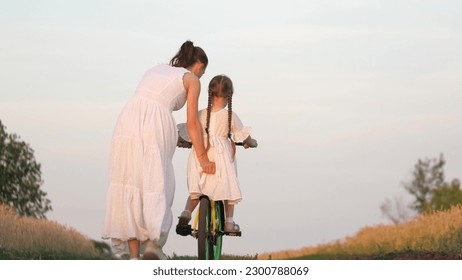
[343, 96]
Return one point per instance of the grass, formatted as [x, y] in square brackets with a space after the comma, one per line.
[439, 232]
[25, 238]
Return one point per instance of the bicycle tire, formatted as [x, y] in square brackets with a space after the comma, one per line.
[204, 242]
[218, 241]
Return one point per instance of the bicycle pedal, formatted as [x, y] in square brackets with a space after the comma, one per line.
[236, 233]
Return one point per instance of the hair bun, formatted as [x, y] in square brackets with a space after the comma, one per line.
[188, 44]
[188, 55]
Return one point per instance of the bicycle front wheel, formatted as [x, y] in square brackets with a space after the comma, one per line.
[219, 230]
[204, 240]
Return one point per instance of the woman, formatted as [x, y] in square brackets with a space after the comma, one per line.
[141, 178]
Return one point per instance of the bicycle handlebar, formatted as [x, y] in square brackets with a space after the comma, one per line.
[186, 144]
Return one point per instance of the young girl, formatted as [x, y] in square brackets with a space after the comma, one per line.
[221, 129]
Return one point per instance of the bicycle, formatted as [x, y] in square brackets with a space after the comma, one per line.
[208, 226]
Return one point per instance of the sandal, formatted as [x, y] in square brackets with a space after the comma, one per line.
[184, 228]
[232, 227]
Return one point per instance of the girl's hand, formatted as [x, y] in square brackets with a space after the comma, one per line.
[250, 143]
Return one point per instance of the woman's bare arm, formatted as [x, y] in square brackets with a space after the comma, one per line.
[192, 86]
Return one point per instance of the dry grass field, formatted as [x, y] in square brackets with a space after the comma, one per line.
[29, 238]
[433, 236]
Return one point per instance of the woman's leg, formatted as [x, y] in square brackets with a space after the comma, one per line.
[134, 248]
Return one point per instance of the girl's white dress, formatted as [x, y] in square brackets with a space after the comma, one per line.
[224, 184]
[141, 177]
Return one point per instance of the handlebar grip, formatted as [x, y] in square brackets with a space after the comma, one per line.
[242, 144]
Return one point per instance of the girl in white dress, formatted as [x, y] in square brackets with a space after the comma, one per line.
[141, 178]
[221, 129]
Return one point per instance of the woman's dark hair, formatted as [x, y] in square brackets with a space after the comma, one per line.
[188, 55]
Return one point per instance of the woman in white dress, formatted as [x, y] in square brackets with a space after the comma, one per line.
[141, 178]
[221, 129]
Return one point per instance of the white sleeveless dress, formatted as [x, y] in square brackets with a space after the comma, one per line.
[141, 177]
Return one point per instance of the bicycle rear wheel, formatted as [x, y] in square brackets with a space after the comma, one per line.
[204, 240]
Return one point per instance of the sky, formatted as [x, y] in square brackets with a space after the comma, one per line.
[344, 97]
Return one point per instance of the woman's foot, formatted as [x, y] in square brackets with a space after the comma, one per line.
[153, 252]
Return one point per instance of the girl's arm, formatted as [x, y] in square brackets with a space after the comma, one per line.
[193, 88]
[240, 131]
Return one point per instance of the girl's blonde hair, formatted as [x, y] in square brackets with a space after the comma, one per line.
[221, 86]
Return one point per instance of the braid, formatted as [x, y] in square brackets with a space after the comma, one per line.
[209, 111]
[230, 118]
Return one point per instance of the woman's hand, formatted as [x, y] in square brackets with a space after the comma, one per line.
[207, 166]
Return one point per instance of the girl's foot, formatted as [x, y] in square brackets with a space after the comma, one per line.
[185, 217]
[232, 227]
[183, 228]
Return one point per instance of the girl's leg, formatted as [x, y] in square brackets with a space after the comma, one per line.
[189, 208]
[230, 225]
[191, 204]
[183, 228]
[229, 210]
[134, 248]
